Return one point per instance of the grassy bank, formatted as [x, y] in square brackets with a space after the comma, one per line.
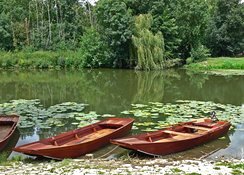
[40, 60]
[72, 59]
[221, 63]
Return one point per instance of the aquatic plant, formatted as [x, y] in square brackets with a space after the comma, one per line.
[33, 114]
[155, 115]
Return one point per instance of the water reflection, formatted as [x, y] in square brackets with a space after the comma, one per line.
[236, 147]
[112, 90]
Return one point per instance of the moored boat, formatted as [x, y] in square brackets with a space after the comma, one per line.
[78, 142]
[8, 124]
[175, 138]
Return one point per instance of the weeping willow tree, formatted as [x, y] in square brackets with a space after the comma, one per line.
[148, 48]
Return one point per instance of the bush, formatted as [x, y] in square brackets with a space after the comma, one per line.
[189, 60]
[199, 53]
[173, 63]
[39, 60]
[93, 51]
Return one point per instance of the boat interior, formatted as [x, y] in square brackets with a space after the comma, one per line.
[82, 135]
[5, 128]
[179, 132]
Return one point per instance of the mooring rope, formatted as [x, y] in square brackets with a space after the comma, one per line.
[209, 154]
[107, 153]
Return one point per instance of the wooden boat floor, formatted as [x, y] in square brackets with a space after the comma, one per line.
[178, 136]
[4, 131]
[170, 139]
[92, 136]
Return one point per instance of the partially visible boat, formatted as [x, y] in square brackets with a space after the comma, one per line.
[8, 124]
[175, 138]
[78, 142]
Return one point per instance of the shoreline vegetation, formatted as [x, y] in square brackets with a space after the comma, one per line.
[73, 60]
[220, 63]
[124, 166]
[219, 66]
[39, 60]
[54, 60]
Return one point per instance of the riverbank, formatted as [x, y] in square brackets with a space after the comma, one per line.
[73, 60]
[221, 63]
[219, 66]
[40, 60]
[129, 166]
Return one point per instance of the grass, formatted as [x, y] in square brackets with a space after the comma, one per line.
[3, 157]
[176, 171]
[40, 60]
[221, 63]
[237, 168]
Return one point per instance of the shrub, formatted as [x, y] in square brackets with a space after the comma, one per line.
[93, 51]
[177, 62]
[189, 60]
[200, 53]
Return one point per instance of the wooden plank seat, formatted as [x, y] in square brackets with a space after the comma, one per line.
[197, 127]
[167, 139]
[179, 133]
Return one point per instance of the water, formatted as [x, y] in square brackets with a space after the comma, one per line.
[112, 91]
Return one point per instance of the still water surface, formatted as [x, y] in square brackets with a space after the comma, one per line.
[112, 91]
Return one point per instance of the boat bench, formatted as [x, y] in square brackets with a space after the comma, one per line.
[197, 127]
[178, 133]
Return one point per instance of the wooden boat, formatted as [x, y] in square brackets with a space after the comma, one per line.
[78, 142]
[176, 138]
[8, 124]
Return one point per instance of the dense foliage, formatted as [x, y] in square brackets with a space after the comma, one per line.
[102, 34]
[226, 29]
[149, 48]
[115, 26]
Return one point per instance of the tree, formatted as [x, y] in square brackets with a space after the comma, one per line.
[5, 33]
[93, 52]
[140, 6]
[164, 21]
[12, 23]
[149, 48]
[43, 24]
[225, 32]
[115, 27]
[191, 18]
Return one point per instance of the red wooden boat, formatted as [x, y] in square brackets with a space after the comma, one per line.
[78, 142]
[176, 138]
[8, 124]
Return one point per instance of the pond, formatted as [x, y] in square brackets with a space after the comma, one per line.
[108, 91]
